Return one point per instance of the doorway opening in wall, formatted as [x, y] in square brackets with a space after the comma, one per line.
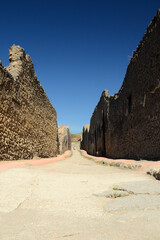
[129, 103]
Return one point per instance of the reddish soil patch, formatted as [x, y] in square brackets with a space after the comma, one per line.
[146, 165]
[4, 165]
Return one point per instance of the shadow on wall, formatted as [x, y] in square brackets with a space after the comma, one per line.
[126, 125]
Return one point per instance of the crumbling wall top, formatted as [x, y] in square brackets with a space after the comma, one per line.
[18, 61]
[16, 53]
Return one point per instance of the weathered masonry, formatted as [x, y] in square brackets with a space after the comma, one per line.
[28, 121]
[64, 139]
[127, 125]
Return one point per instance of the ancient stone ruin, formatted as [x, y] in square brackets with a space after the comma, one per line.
[64, 138]
[28, 121]
[127, 125]
[85, 135]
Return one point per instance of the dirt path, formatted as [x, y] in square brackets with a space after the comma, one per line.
[62, 200]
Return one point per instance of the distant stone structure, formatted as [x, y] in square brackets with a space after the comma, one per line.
[28, 121]
[127, 125]
[76, 137]
[64, 139]
[85, 135]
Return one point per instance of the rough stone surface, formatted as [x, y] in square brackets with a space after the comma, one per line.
[142, 187]
[126, 125]
[155, 173]
[134, 202]
[55, 202]
[28, 121]
[85, 143]
[64, 139]
[112, 193]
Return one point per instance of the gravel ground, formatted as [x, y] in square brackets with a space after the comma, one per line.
[58, 201]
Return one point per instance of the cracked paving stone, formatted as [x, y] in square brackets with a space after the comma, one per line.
[150, 187]
[133, 202]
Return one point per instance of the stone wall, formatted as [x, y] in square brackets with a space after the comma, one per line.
[85, 134]
[64, 139]
[126, 125]
[28, 122]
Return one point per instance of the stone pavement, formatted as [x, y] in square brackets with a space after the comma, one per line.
[143, 166]
[58, 201]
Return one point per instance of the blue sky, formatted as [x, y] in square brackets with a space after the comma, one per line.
[78, 47]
